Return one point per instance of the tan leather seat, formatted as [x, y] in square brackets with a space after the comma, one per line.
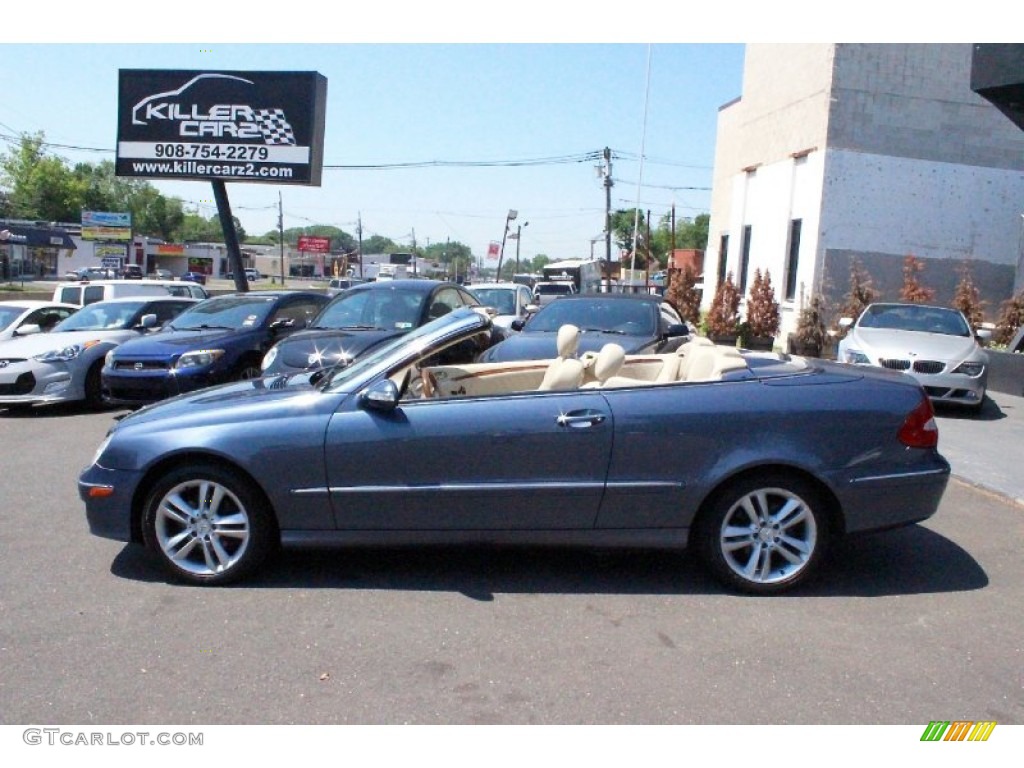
[565, 371]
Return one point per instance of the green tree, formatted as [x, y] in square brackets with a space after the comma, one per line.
[39, 185]
[380, 244]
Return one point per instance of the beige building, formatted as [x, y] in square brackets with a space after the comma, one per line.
[873, 152]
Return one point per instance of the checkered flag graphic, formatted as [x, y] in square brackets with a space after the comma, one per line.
[274, 127]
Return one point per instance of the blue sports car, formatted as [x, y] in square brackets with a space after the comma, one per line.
[759, 461]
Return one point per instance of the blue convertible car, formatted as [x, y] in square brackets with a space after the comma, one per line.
[758, 461]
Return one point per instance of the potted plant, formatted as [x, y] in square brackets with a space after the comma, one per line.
[723, 318]
[762, 324]
[810, 336]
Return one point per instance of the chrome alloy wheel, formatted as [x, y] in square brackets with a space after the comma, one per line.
[201, 527]
[767, 536]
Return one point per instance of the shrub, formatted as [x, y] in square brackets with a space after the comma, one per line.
[862, 292]
[683, 294]
[912, 291]
[967, 298]
[1011, 317]
[723, 317]
[762, 308]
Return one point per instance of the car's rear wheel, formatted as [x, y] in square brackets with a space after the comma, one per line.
[94, 386]
[764, 534]
[207, 525]
[250, 369]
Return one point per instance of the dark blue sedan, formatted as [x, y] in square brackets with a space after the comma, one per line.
[219, 340]
[760, 462]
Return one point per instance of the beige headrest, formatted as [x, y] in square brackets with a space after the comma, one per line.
[568, 340]
[609, 361]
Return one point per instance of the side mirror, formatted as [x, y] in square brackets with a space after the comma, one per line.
[381, 396]
[677, 329]
[983, 333]
[517, 325]
[148, 321]
[845, 322]
[532, 308]
[29, 329]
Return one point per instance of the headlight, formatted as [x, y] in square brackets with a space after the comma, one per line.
[102, 448]
[268, 359]
[856, 358]
[199, 358]
[970, 369]
[108, 359]
[64, 354]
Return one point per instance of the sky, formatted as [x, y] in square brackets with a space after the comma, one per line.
[484, 105]
[486, 96]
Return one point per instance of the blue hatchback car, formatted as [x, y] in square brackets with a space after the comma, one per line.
[218, 340]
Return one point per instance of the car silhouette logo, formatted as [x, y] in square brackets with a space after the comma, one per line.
[138, 366]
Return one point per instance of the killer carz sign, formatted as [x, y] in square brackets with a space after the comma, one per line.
[234, 126]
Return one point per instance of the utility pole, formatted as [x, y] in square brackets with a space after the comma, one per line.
[608, 205]
[359, 231]
[280, 231]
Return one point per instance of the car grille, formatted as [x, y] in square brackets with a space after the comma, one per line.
[23, 385]
[140, 365]
[895, 365]
[919, 366]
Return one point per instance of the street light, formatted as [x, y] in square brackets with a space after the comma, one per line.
[512, 213]
[518, 237]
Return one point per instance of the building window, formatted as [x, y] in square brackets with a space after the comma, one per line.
[793, 260]
[723, 255]
[745, 258]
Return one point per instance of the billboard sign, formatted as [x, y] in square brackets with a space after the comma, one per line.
[234, 126]
[310, 244]
[104, 225]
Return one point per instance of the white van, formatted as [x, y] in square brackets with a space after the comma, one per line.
[88, 292]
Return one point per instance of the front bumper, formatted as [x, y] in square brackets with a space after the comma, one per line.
[35, 383]
[144, 387]
[108, 498]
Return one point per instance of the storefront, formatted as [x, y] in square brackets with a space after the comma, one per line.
[31, 252]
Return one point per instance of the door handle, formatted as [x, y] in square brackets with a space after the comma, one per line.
[579, 420]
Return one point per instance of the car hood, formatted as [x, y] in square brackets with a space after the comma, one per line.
[38, 343]
[312, 350]
[170, 344]
[250, 400]
[542, 345]
[886, 342]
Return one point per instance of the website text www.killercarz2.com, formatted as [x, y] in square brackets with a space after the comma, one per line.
[195, 168]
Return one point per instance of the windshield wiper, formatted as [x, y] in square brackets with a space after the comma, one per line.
[603, 330]
[205, 327]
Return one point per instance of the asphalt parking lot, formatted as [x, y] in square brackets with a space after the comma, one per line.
[907, 626]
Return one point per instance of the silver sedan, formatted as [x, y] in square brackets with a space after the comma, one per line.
[935, 345]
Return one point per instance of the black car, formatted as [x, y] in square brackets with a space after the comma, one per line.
[131, 272]
[365, 316]
[218, 340]
[639, 323]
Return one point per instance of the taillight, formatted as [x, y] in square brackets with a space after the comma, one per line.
[919, 429]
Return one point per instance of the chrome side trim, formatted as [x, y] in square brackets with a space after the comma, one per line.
[900, 476]
[475, 487]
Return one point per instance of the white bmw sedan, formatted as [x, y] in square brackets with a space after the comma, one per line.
[935, 345]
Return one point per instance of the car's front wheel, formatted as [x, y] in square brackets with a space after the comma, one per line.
[207, 525]
[764, 534]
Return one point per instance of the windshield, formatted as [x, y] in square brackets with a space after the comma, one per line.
[404, 347]
[635, 318]
[102, 316]
[232, 312]
[8, 315]
[388, 309]
[908, 317]
[553, 288]
[502, 299]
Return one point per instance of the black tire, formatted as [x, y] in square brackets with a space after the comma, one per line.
[764, 534]
[207, 525]
[94, 386]
[249, 369]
